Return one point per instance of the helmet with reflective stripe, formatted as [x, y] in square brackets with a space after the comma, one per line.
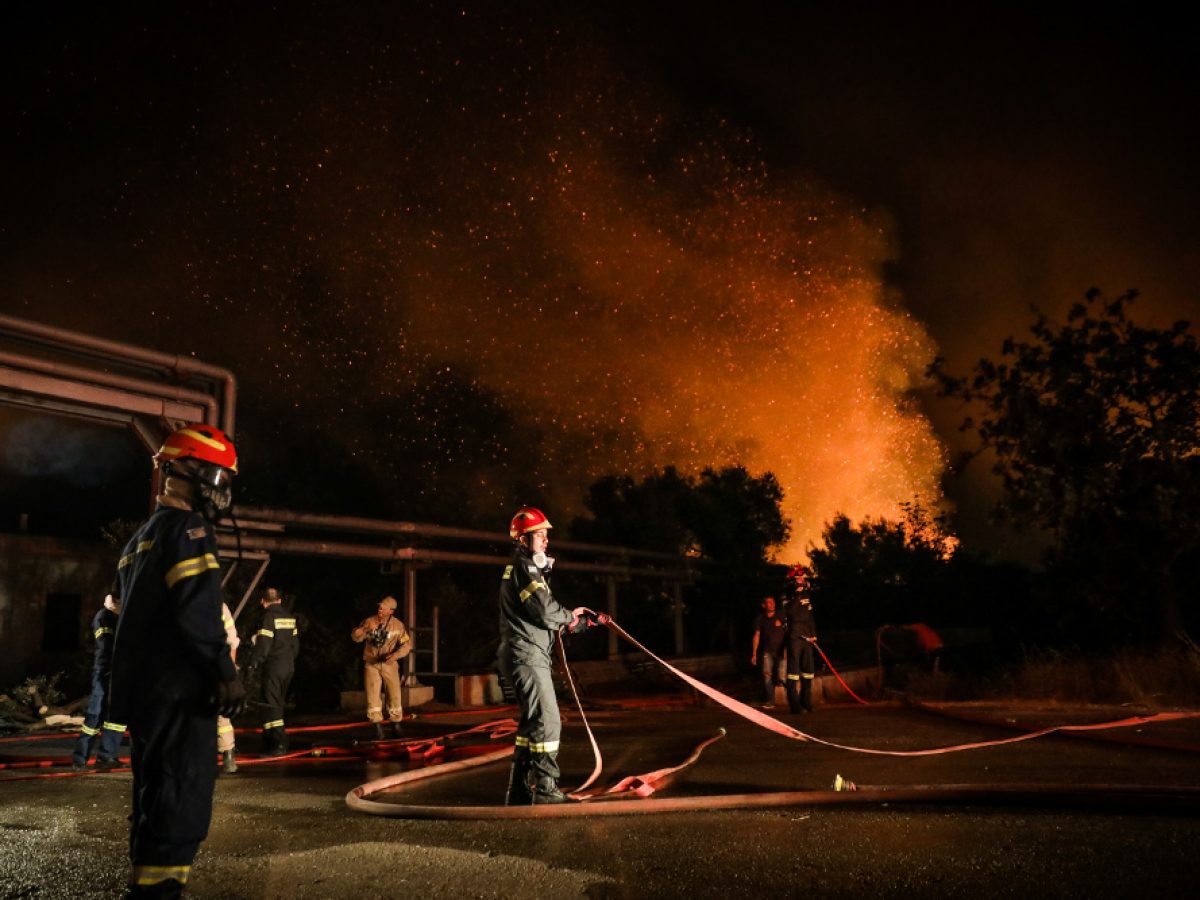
[202, 442]
[526, 520]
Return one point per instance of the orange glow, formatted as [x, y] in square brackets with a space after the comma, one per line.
[698, 313]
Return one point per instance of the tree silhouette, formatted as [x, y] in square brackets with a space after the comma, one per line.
[727, 518]
[1095, 429]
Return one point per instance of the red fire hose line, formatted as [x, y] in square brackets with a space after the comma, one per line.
[643, 786]
[838, 675]
[1086, 735]
[771, 724]
[1140, 797]
[423, 747]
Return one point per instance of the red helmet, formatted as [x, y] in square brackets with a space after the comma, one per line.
[526, 520]
[799, 574]
[202, 442]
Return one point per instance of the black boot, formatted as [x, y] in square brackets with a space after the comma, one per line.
[379, 732]
[228, 762]
[793, 696]
[547, 791]
[274, 742]
[518, 785]
[397, 731]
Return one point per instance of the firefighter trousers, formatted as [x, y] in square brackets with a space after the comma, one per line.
[272, 697]
[96, 730]
[174, 749]
[801, 667]
[381, 678]
[540, 727]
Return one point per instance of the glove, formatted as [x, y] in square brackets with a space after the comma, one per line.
[578, 623]
[231, 698]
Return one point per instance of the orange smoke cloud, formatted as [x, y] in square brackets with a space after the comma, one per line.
[693, 311]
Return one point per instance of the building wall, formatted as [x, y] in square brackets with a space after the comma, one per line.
[32, 570]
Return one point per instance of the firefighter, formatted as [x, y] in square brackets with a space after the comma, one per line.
[385, 642]
[801, 636]
[225, 738]
[96, 729]
[172, 672]
[276, 645]
[530, 619]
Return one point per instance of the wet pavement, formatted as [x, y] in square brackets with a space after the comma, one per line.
[283, 830]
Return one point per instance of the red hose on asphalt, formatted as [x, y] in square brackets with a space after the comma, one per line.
[771, 724]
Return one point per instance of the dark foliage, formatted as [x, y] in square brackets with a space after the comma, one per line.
[728, 519]
[1094, 426]
[881, 571]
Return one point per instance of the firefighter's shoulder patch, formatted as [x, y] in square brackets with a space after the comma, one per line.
[532, 569]
[195, 534]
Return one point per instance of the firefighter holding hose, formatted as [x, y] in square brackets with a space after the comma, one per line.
[801, 637]
[530, 619]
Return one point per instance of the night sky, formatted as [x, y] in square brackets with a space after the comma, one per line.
[497, 254]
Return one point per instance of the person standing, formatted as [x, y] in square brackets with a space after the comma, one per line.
[96, 729]
[766, 650]
[801, 637]
[276, 645]
[530, 619]
[385, 642]
[171, 671]
[225, 736]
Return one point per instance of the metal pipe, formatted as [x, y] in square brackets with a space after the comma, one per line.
[262, 568]
[410, 619]
[78, 397]
[297, 546]
[154, 389]
[384, 526]
[122, 352]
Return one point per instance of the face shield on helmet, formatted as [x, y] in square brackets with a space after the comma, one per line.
[205, 456]
[216, 486]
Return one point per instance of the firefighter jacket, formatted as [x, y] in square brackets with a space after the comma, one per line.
[529, 615]
[277, 641]
[800, 619]
[231, 635]
[381, 640]
[104, 626]
[170, 644]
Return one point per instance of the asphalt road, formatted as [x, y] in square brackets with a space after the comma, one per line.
[285, 831]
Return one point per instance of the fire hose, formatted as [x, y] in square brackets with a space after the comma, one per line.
[1124, 796]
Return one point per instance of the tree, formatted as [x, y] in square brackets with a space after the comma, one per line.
[883, 570]
[1095, 429]
[726, 518]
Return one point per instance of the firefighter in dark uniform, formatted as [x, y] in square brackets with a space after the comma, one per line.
[172, 671]
[530, 619]
[276, 646]
[801, 635]
[96, 729]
